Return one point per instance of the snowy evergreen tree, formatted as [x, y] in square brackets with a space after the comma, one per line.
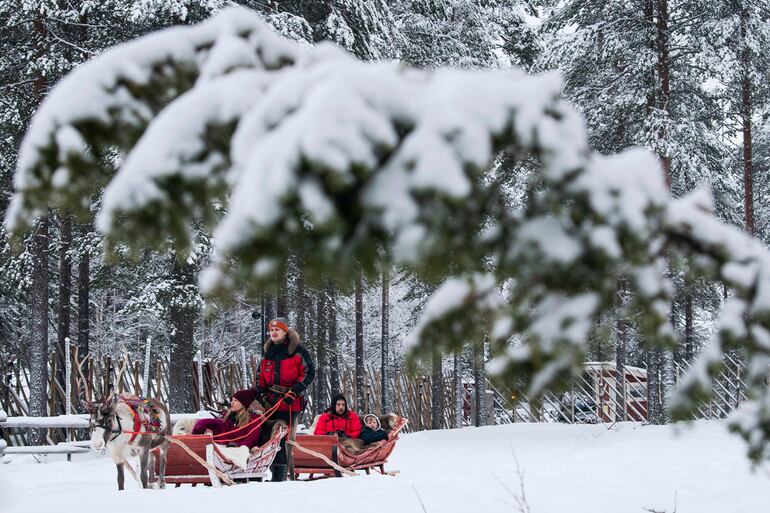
[734, 35]
[401, 167]
[363, 27]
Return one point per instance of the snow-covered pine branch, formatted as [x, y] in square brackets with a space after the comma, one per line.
[310, 152]
[107, 103]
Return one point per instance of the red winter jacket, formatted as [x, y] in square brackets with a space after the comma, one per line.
[289, 365]
[330, 422]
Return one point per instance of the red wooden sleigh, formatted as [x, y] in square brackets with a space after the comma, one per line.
[373, 457]
[181, 468]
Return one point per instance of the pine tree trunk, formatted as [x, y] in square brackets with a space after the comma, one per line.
[660, 93]
[181, 377]
[667, 382]
[385, 338]
[38, 350]
[262, 321]
[480, 382]
[321, 362]
[312, 346]
[664, 87]
[621, 336]
[654, 406]
[334, 364]
[437, 393]
[748, 175]
[84, 311]
[301, 305]
[282, 299]
[359, 300]
[270, 312]
[38, 347]
[458, 389]
[65, 293]
[648, 12]
[689, 333]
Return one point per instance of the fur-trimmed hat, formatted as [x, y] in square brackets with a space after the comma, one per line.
[245, 397]
[375, 417]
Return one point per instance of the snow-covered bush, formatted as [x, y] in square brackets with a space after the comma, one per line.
[288, 150]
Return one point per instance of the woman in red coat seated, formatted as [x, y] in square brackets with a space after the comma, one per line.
[237, 416]
[339, 420]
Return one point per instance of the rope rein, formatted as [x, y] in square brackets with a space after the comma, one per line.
[261, 419]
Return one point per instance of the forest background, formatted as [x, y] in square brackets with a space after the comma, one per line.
[686, 80]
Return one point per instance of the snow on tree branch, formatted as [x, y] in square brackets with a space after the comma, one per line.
[308, 152]
[107, 103]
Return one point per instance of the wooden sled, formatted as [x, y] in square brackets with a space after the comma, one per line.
[373, 457]
[181, 468]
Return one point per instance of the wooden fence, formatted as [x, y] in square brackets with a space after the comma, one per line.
[596, 396]
[90, 378]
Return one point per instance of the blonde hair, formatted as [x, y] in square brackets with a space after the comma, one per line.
[242, 416]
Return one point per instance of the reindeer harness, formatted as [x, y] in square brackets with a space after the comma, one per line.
[150, 422]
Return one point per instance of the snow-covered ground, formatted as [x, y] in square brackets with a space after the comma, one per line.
[563, 469]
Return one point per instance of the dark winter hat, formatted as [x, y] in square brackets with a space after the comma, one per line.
[279, 322]
[336, 398]
[245, 397]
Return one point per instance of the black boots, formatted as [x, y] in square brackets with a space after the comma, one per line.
[279, 472]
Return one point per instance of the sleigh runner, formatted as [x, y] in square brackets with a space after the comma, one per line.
[329, 446]
[182, 468]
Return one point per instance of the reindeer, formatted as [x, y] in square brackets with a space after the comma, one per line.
[115, 422]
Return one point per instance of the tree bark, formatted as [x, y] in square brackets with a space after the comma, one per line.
[661, 91]
[181, 376]
[385, 339]
[38, 354]
[301, 305]
[359, 300]
[748, 175]
[269, 313]
[480, 383]
[458, 389]
[689, 333]
[667, 383]
[621, 343]
[282, 299]
[436, 393]
[65, 293]
[334, 364]
[664, 85]
[38, 350]
[654, 405]
[84, 313]
[648, 12]
[321, 364]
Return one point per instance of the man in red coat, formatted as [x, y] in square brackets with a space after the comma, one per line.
[338, 419]
[285, 373]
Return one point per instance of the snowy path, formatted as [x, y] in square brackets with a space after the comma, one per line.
[566, 469]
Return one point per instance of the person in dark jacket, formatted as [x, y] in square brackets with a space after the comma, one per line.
[338, 419]
[237, 416]
[372, 432]
[285, 373]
